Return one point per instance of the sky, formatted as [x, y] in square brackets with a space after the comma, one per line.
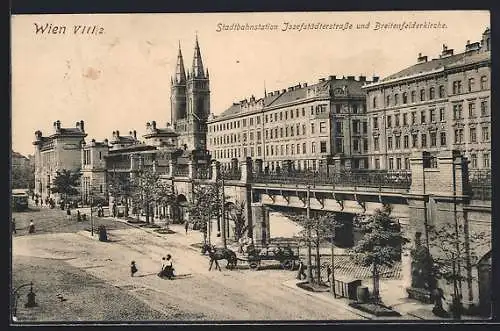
[120, 79]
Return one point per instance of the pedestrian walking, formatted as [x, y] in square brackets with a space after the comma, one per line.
[169, 267]
[31, 227]
[186, 225]
[133, 269]
[36, 202]
[301, 273]
[14, 225]
[78, 216]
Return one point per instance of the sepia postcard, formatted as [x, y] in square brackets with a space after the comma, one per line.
[251, 167]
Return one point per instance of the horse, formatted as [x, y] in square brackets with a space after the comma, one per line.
[217, 254]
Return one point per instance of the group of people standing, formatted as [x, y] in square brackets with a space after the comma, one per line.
[31, 226]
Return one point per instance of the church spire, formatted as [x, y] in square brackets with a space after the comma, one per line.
[197, 69]
[180, 74]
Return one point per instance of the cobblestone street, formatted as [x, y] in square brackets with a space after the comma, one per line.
[240, 294]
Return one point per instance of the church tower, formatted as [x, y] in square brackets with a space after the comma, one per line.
[178, 91]
[193, 128]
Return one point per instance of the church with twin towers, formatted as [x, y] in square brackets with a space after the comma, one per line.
[190, 101]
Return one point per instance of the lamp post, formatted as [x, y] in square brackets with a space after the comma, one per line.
[309, 248]
[91, 218]
[31, 298]
[223, 212]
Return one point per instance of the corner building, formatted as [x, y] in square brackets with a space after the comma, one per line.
[305, 127]
[436, 105]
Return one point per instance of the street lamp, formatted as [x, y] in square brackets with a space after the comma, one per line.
[31, 298]
[91, 218]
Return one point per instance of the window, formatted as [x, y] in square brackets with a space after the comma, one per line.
[459, 136]
[398, 163]
[286, 149]
[389, 142]
[281, 132]
[406, 142]
[472, 135]
[457, 111]
[251, 136]
[286, 115]
[313, 147]
[396, 99]
[413, 117]
[396, 120]
[267, 134]
[457, 87]
[422, 117]
[413, 96]
[339, 128]
[266, 119]
[375, 122]
[473, 161]
[258, 120]
[388, 100]
[303, 129]
[244, 122]
[355, 145]
[291, 131]
[304, 150]
[377, 163]
[322, 127]
[267, 150]
[271, 133]
[414, 140]
[484, 83]
[365, 145]
[407, 163]
[298, 129]
[298, 149]
[424, 140]
[338, 108]
[486, 133]
[405, 98]
[259, 151]
[389, 121]
[303, 112]
[432, 114]
[275, 117]
[433, 139]
[486, 160]
[484, 108]
[355, 126]
[441, 91]
[100, 188]
[291, 113]
[441, 114]
[297, 112]
[322, 147]
[339, 145]
[398, 142]
[391, 163]
[312, 128]
[374, 102]
[422, 95]
[470, 84]
[376, 144]
[405, 119]
[443, 138]
[354, 109]
[432, 93]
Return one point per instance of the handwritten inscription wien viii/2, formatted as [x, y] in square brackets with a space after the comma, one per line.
[49, 28]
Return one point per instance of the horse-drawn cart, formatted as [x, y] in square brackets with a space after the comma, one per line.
[287, 256]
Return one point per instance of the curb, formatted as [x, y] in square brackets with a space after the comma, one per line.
[293, 285]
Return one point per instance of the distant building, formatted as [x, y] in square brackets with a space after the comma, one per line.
[22, 173]
[303, 127]
[59, 151]
[19, 161]
[434, 105]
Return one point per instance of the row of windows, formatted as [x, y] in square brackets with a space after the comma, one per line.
[412, 119]
[271, 150]
[397, 163]
[485, 135]
[394, 100]
[273, 133]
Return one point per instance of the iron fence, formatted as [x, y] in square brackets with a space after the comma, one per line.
[231, 174]
[180, 171]
[204, 173]
[480, 184]
[357, 178]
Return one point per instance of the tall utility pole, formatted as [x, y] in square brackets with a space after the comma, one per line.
[309, 248]
[223, 212]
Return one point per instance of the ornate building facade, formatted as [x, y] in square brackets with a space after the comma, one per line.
[434, 105]
[304, 126]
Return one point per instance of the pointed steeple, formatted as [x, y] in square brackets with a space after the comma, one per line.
[180, 73]
[197, 69]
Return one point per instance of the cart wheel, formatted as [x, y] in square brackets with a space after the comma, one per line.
[287, 264]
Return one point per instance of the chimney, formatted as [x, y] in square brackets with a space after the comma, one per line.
[135, 134]
[82, 127]
[472, 47]
[270, 94]
[168, 124]
[77, 125]
[117, 133]
[153, 124]
[421, 58]
[106, 141]
[290, 88]
[304, 85]
[446, 52]
[57, 125]
[375, 79]
[283, 90]
[362, 78]
[350, 77]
